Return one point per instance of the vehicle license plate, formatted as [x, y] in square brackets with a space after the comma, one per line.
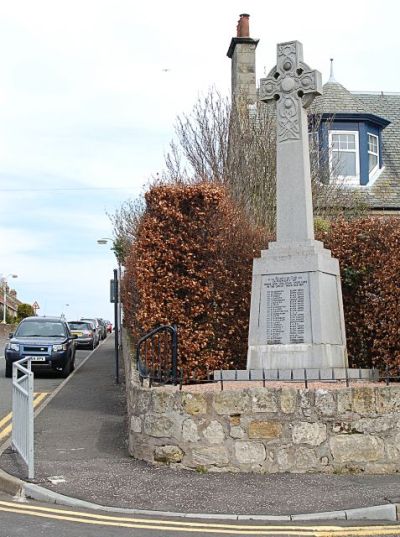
[37, 358]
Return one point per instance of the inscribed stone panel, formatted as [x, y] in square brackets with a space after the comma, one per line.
[285, 315]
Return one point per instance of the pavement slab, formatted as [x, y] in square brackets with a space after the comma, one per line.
[81, 444]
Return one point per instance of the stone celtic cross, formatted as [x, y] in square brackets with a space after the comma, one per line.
[293, 85]
[296, 316]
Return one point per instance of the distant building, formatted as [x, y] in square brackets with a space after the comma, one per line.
[12, 301]
[357, 135]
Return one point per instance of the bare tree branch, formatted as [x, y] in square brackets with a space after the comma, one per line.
[236, 145]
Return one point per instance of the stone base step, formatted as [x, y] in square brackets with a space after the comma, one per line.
[325, 374]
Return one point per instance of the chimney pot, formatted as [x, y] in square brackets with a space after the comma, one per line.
[242, 28]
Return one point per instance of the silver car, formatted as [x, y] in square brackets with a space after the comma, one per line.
[97, 329]
[85, 332]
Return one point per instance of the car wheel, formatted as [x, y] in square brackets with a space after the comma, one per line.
[66, 370]
[92, 345]
[8, 373]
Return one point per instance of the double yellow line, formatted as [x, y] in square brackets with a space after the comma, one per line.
[6, 422]
[195, 527]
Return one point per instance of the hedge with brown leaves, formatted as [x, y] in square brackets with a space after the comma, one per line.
[369, 253]
[191, 264]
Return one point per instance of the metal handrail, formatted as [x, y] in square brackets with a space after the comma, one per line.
[159, 370]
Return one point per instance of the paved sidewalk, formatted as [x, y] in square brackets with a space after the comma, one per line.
[3, 342]
[80, 438]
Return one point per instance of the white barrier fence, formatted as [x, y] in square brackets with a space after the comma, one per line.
[22, 412]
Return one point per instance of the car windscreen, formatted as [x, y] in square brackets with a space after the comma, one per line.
[40, 329]
[79, 326]
[93, 321]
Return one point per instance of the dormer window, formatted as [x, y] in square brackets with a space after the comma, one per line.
[373, 153]
[344, 158]
[351, 136]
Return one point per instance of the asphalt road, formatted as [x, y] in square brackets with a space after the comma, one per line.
[35, 519]
[45, 382]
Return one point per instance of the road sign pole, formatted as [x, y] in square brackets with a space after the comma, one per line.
[116, 325]
[35, 307]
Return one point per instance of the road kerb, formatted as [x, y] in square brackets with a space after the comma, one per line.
[10, 484]
[378, 512]
[387, 512]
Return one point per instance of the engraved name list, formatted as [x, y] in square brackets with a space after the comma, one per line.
[285, 308]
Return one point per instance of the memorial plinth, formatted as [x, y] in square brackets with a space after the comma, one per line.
[296, 316]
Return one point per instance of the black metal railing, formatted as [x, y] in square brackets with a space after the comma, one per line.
[390, 375]
[157, 355]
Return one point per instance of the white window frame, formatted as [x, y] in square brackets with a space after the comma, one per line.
[374, 170]
[352, 180]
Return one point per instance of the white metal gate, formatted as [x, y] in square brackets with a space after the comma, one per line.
[22, 412]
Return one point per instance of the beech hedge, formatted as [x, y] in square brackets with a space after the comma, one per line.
[191, 264]
[368, 250]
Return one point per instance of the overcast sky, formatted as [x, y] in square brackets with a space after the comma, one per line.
[89, 91]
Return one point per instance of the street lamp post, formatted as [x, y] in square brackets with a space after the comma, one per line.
[117, 307]
[66, 311]
[4, 280]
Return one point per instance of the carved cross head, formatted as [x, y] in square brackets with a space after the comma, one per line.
[293, 85]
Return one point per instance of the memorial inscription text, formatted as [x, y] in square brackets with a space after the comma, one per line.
[285, 305]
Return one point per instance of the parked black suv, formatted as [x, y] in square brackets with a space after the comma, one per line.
[48, 340]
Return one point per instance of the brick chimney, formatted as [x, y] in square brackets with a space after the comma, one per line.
[242, 52]
[243, 27]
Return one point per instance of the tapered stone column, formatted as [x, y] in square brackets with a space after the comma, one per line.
[296, 317]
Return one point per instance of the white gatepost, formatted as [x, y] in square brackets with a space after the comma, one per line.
[22, 412]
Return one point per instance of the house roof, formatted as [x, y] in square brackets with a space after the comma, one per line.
[335, 99]
[384, 193]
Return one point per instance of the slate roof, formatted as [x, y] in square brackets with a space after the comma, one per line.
[385, 192]
[335, 99]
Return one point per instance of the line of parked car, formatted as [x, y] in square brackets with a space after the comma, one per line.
[52, 341]
[90, 332]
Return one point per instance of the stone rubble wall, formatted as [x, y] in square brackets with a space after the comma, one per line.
[5, 330]
[266, 430]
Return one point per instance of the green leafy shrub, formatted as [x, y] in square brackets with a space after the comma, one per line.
[24, 310]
